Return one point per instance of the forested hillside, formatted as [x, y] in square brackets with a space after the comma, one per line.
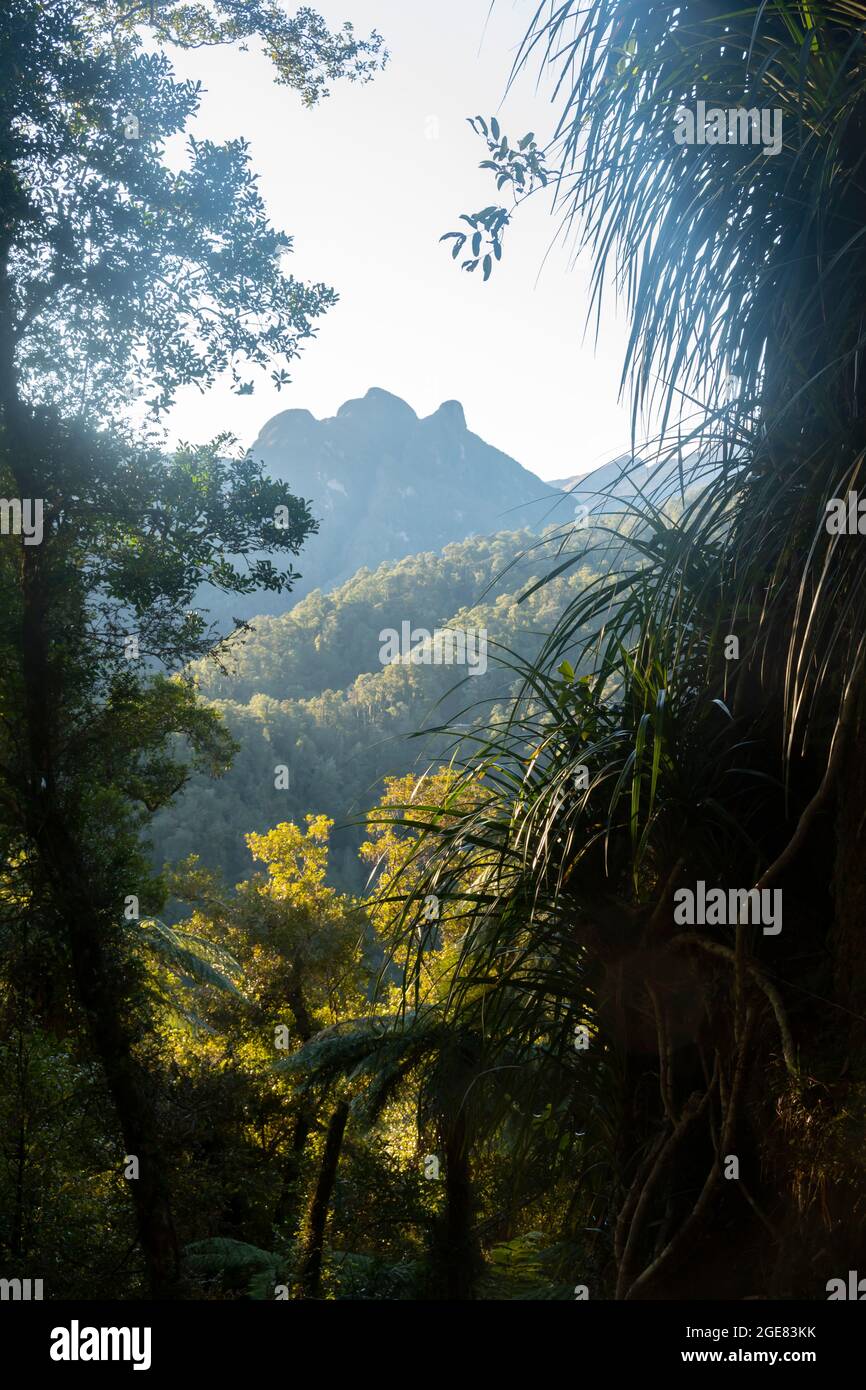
[308, 690]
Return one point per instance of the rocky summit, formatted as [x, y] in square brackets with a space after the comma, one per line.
[384, 483]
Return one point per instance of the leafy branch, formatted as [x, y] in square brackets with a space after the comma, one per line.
[522, 166]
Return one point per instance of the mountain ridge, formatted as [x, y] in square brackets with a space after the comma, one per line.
[385, 483]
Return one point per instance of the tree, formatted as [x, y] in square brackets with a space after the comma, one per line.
[118, 276]
[302, 949]
[741, 275]
[406, 1045]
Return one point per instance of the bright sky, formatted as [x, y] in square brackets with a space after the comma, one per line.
[366, 183]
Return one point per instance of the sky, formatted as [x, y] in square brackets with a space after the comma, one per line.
[366, 183]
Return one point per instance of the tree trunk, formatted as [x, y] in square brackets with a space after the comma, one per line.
[104, 992]
[460, 1254]
[286, 1211]
[311, 1267]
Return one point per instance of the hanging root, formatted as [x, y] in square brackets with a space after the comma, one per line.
[715, 948]
[694, 1108]
[665, 1056]
[623, 1221]
[691, 1225]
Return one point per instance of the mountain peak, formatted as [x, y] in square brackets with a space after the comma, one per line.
[289, 424]
[378, 404]
[384, 483]
[450, 413]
